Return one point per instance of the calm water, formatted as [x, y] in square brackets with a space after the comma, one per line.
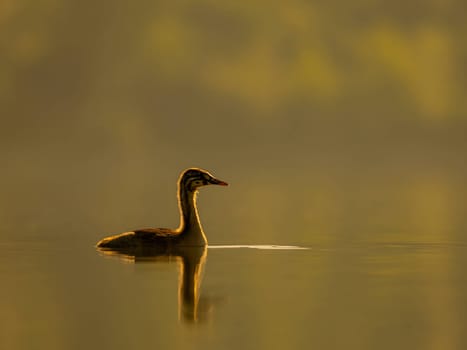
[365, 296]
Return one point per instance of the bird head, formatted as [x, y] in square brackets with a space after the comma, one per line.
[193, 178]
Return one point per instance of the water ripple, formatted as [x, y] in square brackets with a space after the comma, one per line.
[259, 246]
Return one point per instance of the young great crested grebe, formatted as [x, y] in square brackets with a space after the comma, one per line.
[189, 233]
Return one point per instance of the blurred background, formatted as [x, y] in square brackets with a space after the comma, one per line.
[331, 120]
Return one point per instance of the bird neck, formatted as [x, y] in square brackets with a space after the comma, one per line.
[190, 225]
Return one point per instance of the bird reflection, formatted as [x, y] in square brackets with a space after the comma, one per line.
[191, 262]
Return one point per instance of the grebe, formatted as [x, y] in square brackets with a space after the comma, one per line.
[189, 232]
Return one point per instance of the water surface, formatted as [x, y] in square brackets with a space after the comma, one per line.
[363, 296]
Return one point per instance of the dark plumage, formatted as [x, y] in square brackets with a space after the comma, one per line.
[189, 232]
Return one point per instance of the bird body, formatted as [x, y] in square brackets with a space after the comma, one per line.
[189, 232]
